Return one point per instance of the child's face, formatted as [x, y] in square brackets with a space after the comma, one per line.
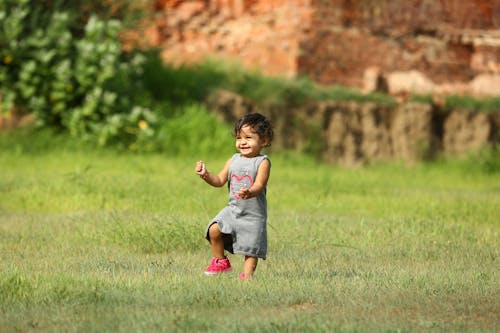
[248, 142]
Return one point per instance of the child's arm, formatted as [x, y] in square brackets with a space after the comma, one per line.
[216, 180]
[260, 182]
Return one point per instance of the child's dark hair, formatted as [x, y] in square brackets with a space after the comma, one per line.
[260, 124]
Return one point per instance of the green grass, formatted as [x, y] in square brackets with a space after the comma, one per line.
[453, 102]
[188, 84]
[175, 85]
[98, 241]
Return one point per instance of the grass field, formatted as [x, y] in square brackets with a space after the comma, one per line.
[108, 242]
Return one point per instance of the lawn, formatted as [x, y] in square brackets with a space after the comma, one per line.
[98, 241]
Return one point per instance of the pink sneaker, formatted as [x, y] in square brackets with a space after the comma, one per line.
[218, 266]
[244, 277]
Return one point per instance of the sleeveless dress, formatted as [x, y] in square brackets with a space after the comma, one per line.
[243, 221]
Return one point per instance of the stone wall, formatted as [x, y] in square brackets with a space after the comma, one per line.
[353, 133]
[431, 46]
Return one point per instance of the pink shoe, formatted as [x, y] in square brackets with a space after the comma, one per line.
[218, 266]
[244, 277]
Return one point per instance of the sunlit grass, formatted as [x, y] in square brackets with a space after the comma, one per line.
[101, 241]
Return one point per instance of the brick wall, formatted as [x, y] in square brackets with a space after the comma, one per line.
[438, 38]
[261, 34]
[336, 41]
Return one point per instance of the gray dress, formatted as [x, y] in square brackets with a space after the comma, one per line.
[243, 221]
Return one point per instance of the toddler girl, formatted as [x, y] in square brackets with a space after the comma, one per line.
[240, 227]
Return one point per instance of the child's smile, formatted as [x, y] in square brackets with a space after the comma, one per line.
[248, 142]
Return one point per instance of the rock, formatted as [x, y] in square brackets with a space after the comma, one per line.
[343, 135]
[374, 81]
[353, 133]
[466, 131]
[409, 81]
[228, 106]
[485, 85]
[411, 131]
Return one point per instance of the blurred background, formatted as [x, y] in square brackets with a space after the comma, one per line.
[349, 82]
[440, 46]
[383, 203]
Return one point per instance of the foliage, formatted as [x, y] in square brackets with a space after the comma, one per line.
[468, 102]
[486, 104]
[62, 60]
[484, 160]
[83, 84]
[194, 131]
[127, 11]
[194, 82]
[180, 85]
[284, 91]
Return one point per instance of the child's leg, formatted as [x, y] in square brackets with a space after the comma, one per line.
[219, 264]
[216, 241]
[250, 266]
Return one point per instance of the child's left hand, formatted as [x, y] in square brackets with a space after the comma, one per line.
[245, 193]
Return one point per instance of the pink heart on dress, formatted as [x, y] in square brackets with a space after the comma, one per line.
[237, 183]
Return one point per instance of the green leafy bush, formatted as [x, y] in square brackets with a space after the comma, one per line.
[79, 81]
[194, 131]
[181, 85]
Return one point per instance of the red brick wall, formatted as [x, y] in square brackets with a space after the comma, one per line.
[434, 37]
[334, 41]
[261, 34]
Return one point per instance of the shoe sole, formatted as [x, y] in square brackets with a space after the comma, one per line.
[217, 273]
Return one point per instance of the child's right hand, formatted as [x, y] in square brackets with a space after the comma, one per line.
[200, 169]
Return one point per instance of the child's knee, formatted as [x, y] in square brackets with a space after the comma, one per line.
[214, 231]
